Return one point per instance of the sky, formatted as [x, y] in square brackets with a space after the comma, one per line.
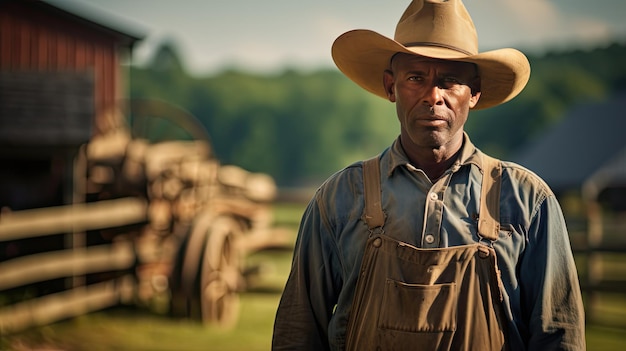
[266, 36]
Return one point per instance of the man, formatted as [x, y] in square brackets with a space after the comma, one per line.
[432, 245]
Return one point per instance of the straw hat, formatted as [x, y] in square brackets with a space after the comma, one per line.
[439, 29]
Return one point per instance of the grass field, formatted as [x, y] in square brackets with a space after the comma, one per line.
[135, 329]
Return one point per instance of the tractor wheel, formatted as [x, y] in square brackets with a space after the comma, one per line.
[220, 275]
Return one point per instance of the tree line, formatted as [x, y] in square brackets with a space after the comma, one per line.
[300, 127]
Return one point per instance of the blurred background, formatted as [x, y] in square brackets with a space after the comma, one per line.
[157, 156]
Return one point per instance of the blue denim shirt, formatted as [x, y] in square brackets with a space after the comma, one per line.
[542, 294]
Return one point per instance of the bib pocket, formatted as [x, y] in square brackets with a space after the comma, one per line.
[418, 308]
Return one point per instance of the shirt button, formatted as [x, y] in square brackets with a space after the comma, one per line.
[433, 196]
[378, 242]
[429, 238]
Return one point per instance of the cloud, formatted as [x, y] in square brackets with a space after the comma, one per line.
[539, 25]
[545, 21]
[533, 12]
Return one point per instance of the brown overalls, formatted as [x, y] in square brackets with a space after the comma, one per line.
[409, 298]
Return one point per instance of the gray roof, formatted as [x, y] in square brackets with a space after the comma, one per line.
[88, 16]
[612, 173]
[590, 141]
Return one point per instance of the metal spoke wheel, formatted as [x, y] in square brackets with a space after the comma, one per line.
[220, 276]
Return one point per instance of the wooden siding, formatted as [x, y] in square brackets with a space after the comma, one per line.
[33, 39]
[46, 109]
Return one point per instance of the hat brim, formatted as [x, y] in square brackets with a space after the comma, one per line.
[363, 55]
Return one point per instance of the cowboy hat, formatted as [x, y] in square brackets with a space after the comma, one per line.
[440, 29]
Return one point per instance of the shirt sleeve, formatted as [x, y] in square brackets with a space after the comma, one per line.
[551, 296]
[307, 302]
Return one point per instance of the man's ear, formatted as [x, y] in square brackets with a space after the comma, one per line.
[475, 86]
[389, 87]
[474, 99]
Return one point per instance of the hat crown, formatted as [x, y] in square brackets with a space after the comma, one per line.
[438, 23]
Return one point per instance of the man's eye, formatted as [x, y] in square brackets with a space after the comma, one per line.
[452, 80]
[416, 78]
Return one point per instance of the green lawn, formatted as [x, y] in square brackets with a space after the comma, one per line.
[135, 329]
[123, 329]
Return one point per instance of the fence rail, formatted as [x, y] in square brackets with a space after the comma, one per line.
[65, 263]
[68, 303]
[72, 218]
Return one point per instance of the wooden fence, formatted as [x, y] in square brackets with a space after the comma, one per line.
[599, 244]
[71, 262]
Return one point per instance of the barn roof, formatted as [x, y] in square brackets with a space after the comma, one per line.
[588, 145]
[87, 17]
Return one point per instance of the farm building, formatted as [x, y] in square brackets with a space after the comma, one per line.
[60, 77]
[586, 152]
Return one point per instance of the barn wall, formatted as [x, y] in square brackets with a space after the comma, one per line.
[35, 40]
[59, 75]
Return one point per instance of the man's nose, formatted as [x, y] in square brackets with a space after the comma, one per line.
[433, 95]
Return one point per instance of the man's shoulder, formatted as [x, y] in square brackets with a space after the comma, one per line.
[347, 181]
[525, 178]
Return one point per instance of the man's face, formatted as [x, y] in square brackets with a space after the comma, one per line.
[433, 98]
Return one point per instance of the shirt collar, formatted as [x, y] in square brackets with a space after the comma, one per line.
[396, 156]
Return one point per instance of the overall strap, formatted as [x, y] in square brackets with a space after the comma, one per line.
[373, 216]
[489, 213]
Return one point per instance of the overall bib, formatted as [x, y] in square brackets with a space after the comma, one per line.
[409, 298]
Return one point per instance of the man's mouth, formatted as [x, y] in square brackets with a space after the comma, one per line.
[431, 121]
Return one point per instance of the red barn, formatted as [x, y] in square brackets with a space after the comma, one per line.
[61, 75]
